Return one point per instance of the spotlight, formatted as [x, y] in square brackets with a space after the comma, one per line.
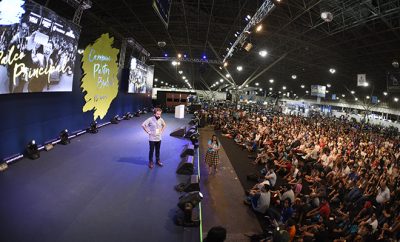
[395, 64]
[184, 56]
[328, 85]
[115, 119]
[227, 75]
[327, 16]
[174, 63]
[302, 86]
[271, 80]
[80, 51]
[284, 87]
[385, 93]
[352, 92]
[93, 127]
[165, 55]
[32, 150]
[128, 116]
[64, 137]
[259, 28]
[239, 68]
[263, 53]
[179, 55]
[332, 71]
[225, 64]
[247, 46]
[294, 77]
[204, 57]
[180, 72]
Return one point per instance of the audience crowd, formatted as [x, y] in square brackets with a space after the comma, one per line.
[320, 178]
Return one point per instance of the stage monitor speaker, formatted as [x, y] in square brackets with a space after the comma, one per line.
[179, 132]
[190, 186]
[186, 166]
[188, 150]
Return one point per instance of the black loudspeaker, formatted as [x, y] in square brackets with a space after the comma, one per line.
[190, 186]
[188, 150]
[179, 132]
[186, 166]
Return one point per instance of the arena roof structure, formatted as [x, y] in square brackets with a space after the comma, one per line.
[301, 43]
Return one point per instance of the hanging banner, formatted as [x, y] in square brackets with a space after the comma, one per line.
[100, 81]
[318, 91]
[393, 82]
[361, 80]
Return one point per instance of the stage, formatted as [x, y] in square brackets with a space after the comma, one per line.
[97, 188]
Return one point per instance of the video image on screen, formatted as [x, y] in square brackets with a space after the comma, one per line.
[140, 77]
[37, 53]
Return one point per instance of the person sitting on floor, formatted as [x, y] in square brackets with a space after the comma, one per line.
[259, 200]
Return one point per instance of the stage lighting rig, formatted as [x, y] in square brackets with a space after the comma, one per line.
[93, 127]
[32, 150]
[64, 137]
[261, 13]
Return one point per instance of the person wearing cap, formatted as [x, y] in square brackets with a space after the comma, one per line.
[154, 127]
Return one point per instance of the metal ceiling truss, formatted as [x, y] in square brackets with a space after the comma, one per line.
[190, 60]
[261, 13]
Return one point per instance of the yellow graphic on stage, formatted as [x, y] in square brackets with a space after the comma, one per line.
[100, 81]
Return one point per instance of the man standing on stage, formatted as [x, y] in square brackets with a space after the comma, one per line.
[154, 126]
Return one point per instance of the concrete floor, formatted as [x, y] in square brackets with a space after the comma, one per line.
[223, 197]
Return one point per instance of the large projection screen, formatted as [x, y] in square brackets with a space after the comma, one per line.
[140, 77]
[37, 51]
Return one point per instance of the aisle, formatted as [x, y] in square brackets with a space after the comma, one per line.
[223, 197]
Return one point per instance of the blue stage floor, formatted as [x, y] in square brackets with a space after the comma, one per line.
[98, 188]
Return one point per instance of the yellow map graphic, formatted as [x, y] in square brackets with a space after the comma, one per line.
[100, 80]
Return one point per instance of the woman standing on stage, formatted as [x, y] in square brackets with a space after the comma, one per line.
[212, 157]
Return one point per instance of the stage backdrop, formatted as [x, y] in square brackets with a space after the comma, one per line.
[41, 116]
[100, 79]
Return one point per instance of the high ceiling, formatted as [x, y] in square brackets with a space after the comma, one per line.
[363, 37]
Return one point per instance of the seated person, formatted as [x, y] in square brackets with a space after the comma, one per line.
[259, 200]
